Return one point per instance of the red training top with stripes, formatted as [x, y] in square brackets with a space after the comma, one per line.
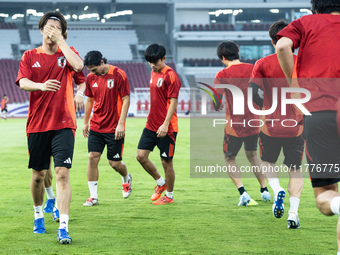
[48, 110]
[237, 125]
[107, 91]
[267, 74]
[318, 66]
[163, 86]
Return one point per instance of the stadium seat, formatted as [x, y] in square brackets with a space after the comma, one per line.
[207, 27]
[245, 27]
[183, 27]
[188, 27]
[232, 28]
[194, 27]
[225, 27]
[250, 27]
[213, 27]
[200, 27]
[219, 27]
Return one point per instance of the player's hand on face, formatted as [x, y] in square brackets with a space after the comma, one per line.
[53, 33]
[86, 130]
[120, 132]
[50, 85]
[162, 131]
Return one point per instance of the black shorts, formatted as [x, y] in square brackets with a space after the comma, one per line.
[233, 144]
[56, 143]
[4, 110]
[270, 149]
[322, 147]
[97, 142]
[166, 145]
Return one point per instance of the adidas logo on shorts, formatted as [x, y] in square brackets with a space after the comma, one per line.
[116, 156]
[68, 161]
[164, 155]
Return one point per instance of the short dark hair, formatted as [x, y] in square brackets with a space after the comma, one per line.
[94, 58]
[325, 6]
[275, 28]
[229, 50]
[56, 15]
[154, 52]
[5, 95]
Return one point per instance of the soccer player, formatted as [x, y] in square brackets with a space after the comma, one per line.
[317, 70]
[161, 126]
[47, 72]
[51, 205]
[267, 74]
[238, 74]
[107, 88]
[4, 103]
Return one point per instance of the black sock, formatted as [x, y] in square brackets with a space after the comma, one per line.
[241, 190]
[264, 189]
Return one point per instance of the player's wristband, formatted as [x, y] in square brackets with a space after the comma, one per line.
[79, 93]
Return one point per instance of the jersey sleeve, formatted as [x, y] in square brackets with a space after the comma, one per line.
[293, 31]
[124, 86]
[257, 74]
[218, 80]
[25, 69]
[88, 91]
[174, 84]
[79, 78]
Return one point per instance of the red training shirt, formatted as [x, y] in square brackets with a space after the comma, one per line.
[317, 37]
[163, 86]
[237, 75]
[107, 91]
[48, 110]
[267, 74]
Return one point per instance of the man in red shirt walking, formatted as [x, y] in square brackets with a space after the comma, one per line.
[47, 72]
[317, 70]
[161, 126]
[266, 76]
[107, 88]
[238, 74]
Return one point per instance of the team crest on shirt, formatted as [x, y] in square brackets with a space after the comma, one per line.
[160, 82]
[62, 62]
[110, 83]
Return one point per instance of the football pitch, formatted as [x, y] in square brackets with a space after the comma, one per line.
[204, 218]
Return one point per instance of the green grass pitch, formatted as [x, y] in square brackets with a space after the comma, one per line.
[204, 219]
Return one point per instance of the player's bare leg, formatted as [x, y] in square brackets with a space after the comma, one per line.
[92, 167]
[50, 202]
[37, 190]
[338, 235]
[147, 164]
[119, 167]
[235, 175]
[37, 187]
[324, 196]
[169, 174]
[255, 162]
[63, 194]
[295, 187]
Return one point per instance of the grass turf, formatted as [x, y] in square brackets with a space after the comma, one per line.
[204, 219]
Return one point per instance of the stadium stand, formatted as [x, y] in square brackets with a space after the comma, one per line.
[114, 44]
[9, 36]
